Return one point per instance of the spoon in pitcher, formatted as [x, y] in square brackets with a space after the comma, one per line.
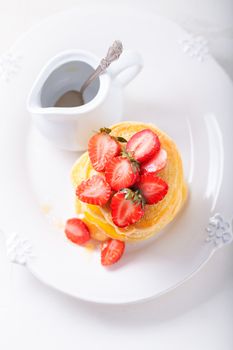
[75, 98]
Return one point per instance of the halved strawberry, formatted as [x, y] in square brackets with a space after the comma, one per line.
[156, 163]
[143, 145]
[111, 251]
[77, 231]
[126, 208]
[120, 172]
[101, 148]
[95, 190]
[152, 188]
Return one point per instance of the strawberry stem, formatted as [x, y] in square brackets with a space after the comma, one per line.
[105, 130]
[134, 196]
[121, 139]
[108, 131]
[129, 156]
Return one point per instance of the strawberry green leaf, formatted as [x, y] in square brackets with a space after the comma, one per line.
[121, 139]
[106, 130]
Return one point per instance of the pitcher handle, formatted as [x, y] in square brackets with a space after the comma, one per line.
[126, 69]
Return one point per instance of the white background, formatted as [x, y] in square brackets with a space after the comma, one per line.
[197, 315]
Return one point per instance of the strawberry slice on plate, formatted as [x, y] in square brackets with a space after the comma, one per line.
[126, 208]
[143, 145]
[101, 148]
[77, 231]
[156, 163]
[111, 251]
[121, 172]
[95, 190]
[152, 188]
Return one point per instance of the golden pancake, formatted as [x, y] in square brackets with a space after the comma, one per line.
[156, 216]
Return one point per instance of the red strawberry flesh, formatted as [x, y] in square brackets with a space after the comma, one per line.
[120, 173]
[94, 191]
[101, 148]
[111, 251]
[152, 188]
[143, 145]
[124, 211]
[77, 231]
[156, 163]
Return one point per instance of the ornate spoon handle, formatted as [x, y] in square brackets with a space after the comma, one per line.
[113, 54]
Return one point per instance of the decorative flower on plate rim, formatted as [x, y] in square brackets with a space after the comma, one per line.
[19, 250]
[219, 231]
[10, 64]
[195, 46]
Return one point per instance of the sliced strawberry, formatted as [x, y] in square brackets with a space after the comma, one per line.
[152, 188]
[143, 145]
[101, 148]
[95, 190]
[156, 163]
[111, 251]
[77, 231]
[120, 172]
[126, 208]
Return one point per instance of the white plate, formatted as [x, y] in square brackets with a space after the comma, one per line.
[183, 91]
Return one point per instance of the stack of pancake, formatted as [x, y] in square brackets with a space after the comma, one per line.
[157, 216]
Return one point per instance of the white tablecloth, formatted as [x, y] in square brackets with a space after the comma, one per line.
[197, 315]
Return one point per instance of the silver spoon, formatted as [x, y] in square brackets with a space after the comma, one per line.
[75, 98]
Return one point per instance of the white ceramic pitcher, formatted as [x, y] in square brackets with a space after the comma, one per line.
[70, 127]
